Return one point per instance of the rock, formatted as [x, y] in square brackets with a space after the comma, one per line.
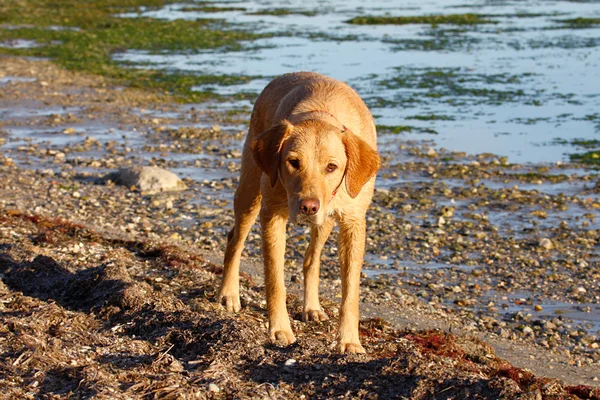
[527, 330]
[148, 180]
[588, 339]
[546, 244]
[290, 363]
[549, 326]
[504, 333]
[538, 308]
[213, 388]
[431, 152]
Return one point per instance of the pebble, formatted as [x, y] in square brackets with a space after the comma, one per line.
[546, 244]
[290, 362]
[549, 326]
[213, 388]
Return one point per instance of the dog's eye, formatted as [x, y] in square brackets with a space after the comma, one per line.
[294, 163]
[331, 167]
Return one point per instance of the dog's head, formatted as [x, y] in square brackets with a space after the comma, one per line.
[314, 160]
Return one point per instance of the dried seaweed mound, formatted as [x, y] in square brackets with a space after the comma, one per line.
[126, 319]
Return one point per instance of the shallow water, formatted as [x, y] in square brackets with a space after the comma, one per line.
[509, 88]
[584, 316]
[581, 315]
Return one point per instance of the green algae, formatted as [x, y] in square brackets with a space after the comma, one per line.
[84, 36]
[590, 157]
[398, 129]
[580, 22]
[284, 12]
[211, 9]
[454, 19]
[431, 117]
[455, 86]
[588, 144]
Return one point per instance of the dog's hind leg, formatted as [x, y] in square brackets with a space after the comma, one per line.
[246, 205]
[312, 261]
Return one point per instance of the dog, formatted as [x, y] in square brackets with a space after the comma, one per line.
[311, 157]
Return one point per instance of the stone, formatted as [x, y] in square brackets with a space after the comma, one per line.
[504, 333]
[527, 330]
[546, 244]
[290, 363]
[148, 180]
[549, 326]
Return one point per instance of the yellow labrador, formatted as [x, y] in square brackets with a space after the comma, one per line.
[310, 156]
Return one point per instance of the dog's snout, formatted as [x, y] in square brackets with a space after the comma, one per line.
[309, 206]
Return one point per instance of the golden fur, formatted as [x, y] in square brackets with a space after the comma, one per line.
[310, 156]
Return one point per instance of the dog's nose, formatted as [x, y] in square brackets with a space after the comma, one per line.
[309, 206]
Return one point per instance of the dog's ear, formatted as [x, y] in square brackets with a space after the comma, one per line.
[266, 149]
[363, 162]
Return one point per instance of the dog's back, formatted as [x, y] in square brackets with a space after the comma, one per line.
[300, 92]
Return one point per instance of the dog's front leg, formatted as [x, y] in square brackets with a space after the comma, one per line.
[312, 263]
[273, 237]
[352, 249]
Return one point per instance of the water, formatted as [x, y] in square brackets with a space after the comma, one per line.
[509, 88]
[585, 316]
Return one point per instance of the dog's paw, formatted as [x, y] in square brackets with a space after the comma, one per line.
[231, 303]
[282, 338]
[314, 315]
[351, 348]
